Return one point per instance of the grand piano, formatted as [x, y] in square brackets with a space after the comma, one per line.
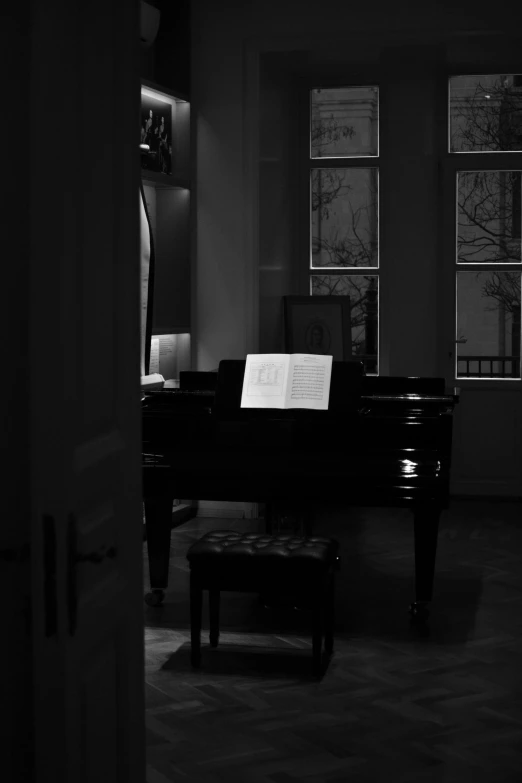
[384, 441]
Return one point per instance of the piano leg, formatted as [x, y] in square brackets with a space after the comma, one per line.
[426, 530]
[158, 521]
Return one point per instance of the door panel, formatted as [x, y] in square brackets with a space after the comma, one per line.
[487, 442]
[85, 395]
[98, 701]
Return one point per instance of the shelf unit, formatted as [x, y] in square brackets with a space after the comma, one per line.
[167, 197]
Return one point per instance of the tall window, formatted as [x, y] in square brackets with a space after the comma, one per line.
[485, 134]
[344, 211]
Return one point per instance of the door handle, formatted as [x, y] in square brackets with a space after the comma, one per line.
[49, 558]
[19, 555]
[73, 558]
[98, 556]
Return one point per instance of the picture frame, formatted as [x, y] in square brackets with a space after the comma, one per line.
[156, 141]
[318, 324]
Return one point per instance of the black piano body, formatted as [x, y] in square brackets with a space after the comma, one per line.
[384, 441]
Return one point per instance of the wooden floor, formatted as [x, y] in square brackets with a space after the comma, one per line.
[394, 704]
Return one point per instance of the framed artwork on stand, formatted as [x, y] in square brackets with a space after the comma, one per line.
[318, 324]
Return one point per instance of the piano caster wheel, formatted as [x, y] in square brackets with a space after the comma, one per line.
[155, 598]
[419, 611]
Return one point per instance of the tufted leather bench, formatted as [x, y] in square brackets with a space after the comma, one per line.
[282, 565]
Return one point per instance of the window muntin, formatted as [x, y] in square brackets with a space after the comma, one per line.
[344, 122]
[485, 113]
[344, 217]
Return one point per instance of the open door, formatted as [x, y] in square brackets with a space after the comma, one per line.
[86, 538]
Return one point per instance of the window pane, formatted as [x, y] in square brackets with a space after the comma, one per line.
[489, 213]
[344, 207]
[485, 113]
[344, 122]
[488, 324]
[363, 291]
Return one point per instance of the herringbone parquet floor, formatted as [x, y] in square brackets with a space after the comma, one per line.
[395, 704]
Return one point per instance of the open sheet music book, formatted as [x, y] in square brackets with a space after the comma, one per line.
[283, 380]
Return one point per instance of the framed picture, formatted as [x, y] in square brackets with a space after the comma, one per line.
[156, 133]
[318, 324]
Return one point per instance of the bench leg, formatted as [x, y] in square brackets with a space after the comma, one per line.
[329, 616]
[213, 610]
[196, 600]
[317, 636]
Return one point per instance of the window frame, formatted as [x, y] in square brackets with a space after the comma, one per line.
[309, 164]
[382, 75]
[453, 163]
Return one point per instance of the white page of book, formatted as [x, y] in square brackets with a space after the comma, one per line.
[309, 377]
[264, 384]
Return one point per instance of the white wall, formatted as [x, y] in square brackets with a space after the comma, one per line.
[220, 284]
